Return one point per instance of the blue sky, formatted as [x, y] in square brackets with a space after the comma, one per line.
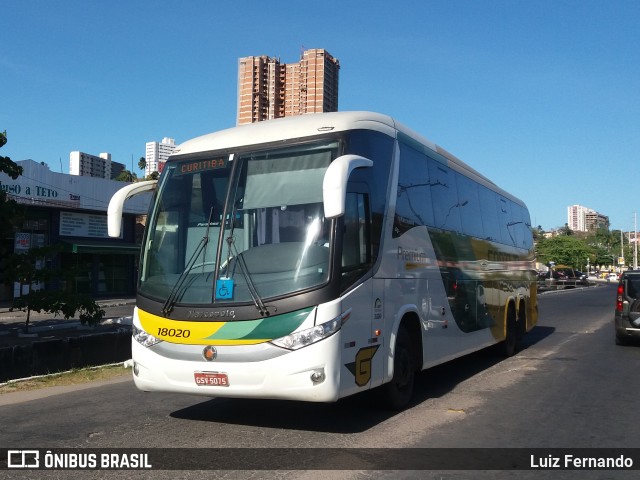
[541, 96]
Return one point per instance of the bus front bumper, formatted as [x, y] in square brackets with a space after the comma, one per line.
[311, 373]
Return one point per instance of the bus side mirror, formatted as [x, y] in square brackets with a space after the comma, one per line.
[334, 185]
[116, 204]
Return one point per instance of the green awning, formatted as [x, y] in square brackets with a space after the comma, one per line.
[103, 247]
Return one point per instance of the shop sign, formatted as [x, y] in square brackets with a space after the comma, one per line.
[22, 242]
[74, 224]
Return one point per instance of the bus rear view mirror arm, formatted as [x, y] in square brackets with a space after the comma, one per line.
[334, 185]
[116, 205]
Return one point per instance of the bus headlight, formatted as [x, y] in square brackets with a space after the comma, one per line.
[311, 335]
[143, 338]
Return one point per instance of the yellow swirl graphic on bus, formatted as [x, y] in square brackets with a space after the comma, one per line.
[361, 368]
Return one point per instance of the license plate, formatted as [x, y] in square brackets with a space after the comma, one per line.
[215, 379]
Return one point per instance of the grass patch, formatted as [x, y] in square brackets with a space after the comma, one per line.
[73, 377]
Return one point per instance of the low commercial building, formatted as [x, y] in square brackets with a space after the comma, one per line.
[71, 210]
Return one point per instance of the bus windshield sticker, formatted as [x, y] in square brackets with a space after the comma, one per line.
[224, 288]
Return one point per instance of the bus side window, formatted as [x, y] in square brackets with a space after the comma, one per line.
[489, 214]
[504, 219]
[413, 205]
[469, 201]
[444, 197]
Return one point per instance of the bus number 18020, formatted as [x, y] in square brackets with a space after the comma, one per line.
[173, 332]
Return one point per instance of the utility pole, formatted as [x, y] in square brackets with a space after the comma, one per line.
[622, 249]
[635, 240]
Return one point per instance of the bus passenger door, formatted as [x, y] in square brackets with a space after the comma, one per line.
[362, 356]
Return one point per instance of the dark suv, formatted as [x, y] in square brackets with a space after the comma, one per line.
[628, 307]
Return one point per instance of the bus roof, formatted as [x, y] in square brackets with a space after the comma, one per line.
[287, 128]
[301, 126]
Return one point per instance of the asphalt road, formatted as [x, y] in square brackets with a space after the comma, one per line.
[570, 387]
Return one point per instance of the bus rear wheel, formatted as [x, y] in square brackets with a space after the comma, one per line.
[398, 392]
[510, 343]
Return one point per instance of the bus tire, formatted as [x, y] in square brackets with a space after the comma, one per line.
[397, 394]
[521, 326]
[509, 344]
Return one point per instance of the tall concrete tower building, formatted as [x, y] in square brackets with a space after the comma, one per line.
[269, 89]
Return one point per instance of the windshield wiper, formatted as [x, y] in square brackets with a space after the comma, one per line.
[230, 217]
[177, 291]
[255, 296]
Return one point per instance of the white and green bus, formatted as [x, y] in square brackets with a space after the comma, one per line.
[318, 256]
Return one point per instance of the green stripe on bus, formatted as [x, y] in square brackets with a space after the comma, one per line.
[264, 328]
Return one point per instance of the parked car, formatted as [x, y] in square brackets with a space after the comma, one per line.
[627, 311]
[580, 275]
[571, 274]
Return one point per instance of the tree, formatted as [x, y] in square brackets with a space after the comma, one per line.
[142, 163]
[37, 264]
[538, 233]
[565, 230]
[6, 164]
[126, 176]
[37, 267]
[566, 250]
[10, 211]
[606, 246]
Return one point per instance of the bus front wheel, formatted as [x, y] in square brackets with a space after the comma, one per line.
[398, 392]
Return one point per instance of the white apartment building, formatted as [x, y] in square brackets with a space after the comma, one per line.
[576, 217]
[87, 165]
[583, 219]
[157, 153]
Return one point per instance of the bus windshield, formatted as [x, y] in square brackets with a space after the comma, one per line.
[273, 240]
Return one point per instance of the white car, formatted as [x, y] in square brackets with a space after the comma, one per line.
[612, 277]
